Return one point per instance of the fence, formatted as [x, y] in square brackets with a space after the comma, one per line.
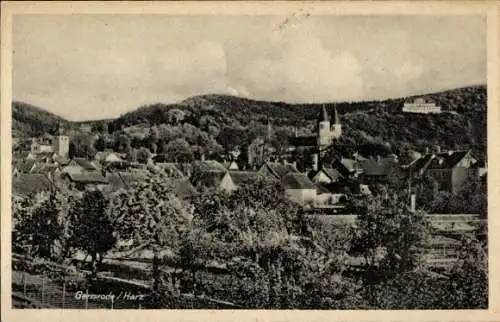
[42, 291]
[36, 288]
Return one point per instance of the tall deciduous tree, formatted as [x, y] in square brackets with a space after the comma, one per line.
[388, 235]
[39, 227]
[92, 228]
[149, 213]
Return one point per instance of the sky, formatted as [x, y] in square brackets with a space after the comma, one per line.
[86, 67]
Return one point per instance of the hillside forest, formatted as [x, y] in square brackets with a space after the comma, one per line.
[216, 124]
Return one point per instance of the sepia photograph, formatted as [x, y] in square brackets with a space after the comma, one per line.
[279, 161]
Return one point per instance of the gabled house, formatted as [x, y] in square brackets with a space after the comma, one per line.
[231, 165]
[378, 171]
[277, 170]
[450, 169]
[84, 180]
[107, 157]
[325, 175]
[124, 179]
[77, 165]
[299, 188]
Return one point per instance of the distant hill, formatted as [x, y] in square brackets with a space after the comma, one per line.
[374, 124]
[29, 120]
[375, 127]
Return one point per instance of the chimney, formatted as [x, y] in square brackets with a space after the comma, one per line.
[203, 157]
[315, 162]
[412, 202]
[378, 158]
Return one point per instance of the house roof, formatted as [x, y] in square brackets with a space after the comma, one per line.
[447, 160]
[130, 177]
[26, 165]
[87, 177]
[332, 173]
[320, 188]
[207, 178]
[84, 163]
[443, 160]
[279, 170]
[297, 181]
[102, 156]
[349, 163]
[29, 183]
[44, 155]
[244, 177]
[341, 168]
[62, 160]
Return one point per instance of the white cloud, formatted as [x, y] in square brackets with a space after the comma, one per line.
[409, 71]
[307, 71]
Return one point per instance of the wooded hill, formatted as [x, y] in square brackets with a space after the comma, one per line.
[376, 127]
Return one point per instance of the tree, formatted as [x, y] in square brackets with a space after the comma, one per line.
[100, 144]
[123, 144]
[92, 228]
[389, 237]
[143, 155]
[468, 286]
[82, 146]
[175, 116]
[39, 227]
[179, 150]
[150, 214]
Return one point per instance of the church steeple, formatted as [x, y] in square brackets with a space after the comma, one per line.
[324, 136]
[269, 129]
[336, 118]
[324, 115]
[336, 126]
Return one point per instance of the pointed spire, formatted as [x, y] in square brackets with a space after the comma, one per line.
[336, 116]
[269, 129]
[324, 114]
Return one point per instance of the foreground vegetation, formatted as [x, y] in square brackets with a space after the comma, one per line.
[255, 248]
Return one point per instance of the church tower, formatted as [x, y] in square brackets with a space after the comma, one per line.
[336, 126]
[61, 144]
[324, 135]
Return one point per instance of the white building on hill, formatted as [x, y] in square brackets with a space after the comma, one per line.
[420, 106]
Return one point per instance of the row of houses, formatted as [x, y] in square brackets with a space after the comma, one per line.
[325, 185]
